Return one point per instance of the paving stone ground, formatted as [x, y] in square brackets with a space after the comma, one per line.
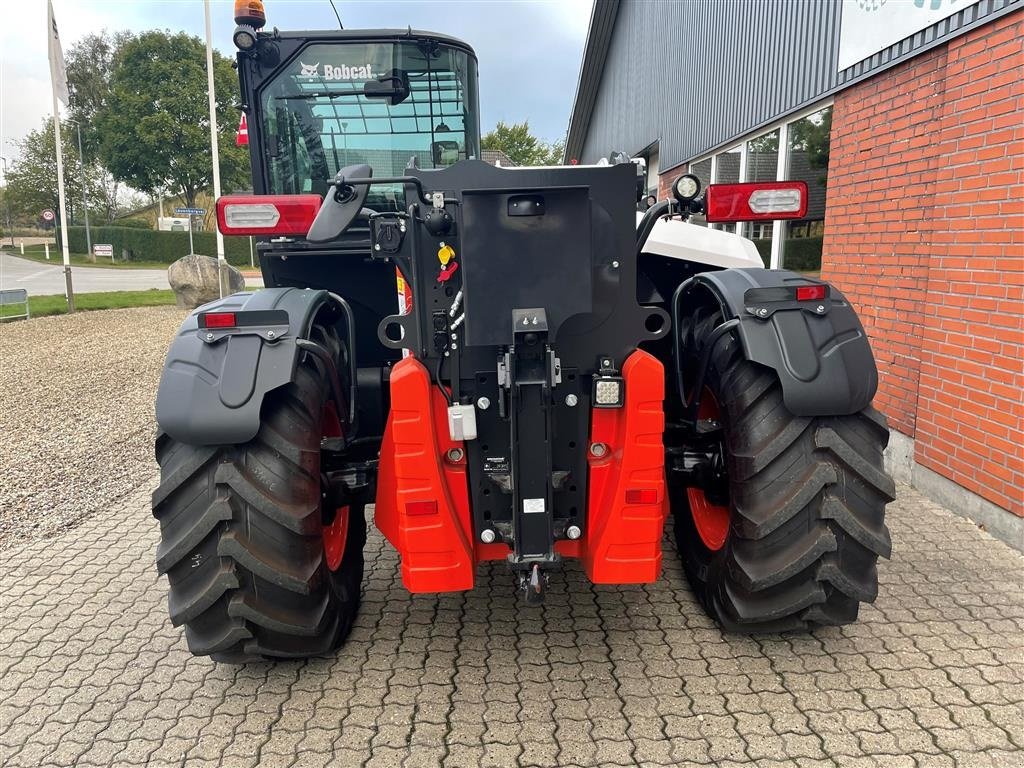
[93, 674]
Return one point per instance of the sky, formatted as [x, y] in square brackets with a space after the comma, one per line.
[529, 50]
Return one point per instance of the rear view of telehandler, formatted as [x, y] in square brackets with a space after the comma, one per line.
[509, 364]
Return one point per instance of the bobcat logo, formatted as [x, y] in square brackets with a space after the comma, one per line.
[309, 70]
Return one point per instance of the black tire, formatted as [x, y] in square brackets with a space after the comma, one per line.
[241, 534]
[806, 505]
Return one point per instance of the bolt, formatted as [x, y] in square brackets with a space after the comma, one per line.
[573, 532]
[487, 536]
[376, 247]
[455, 455]
[571, 400]
[615, 265]
[821, 308]
[597, 450]
[607, 362]
[483, 403]
[454, 345]
[271, 334]
[762, 312]
[209, 337]
[455, 337]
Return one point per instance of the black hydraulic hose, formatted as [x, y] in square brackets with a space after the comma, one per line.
[350, 333]
[646, 226]
[692, 404]
[325, 357]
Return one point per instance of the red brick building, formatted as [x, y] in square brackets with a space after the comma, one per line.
[917, 154]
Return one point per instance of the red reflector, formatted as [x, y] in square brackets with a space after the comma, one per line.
[219, 319]
[421, 508]
[755, 201]
[642, 496]
[810, 293]
[266, 214]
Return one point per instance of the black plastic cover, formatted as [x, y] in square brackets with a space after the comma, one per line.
[823, 358]
[211, 393]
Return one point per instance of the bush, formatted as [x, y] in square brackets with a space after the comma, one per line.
[800, 254]
[131, 244]
[132, 223]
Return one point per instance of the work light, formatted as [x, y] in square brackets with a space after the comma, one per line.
[608, 391]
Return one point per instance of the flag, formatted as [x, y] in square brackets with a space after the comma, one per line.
[242, 137]
[58, 72]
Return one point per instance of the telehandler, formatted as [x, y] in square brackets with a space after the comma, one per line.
[528, 365]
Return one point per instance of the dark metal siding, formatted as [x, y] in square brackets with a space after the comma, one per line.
[698, 75]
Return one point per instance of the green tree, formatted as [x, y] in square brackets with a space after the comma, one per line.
[521, 146]
[90, 63]
[32, 179]
[154, 127]
[813, 135]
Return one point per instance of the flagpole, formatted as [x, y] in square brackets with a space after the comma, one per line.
[58, 81]
[69, 291]
[221, 261]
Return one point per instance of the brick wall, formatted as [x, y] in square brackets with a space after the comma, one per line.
[924, 231]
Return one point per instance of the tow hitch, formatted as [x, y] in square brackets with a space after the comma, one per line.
[533, 584]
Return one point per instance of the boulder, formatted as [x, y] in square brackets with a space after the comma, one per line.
[193, 279]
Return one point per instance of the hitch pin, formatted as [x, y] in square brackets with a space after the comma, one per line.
[455, 304]
[458, 321]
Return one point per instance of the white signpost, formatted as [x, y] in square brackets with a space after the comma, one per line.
[190, 212]
[103, 249]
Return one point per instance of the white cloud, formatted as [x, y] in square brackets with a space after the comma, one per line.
[529, 50]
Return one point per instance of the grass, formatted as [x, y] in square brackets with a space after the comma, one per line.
[38, 253]
[41, 306]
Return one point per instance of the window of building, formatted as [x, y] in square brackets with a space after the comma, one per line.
[761, 164]
[727, 171]
[807, 160]
[702, 171]
[791, 150]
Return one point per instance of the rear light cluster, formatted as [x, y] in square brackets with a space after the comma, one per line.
[267, 214]
[755, 201]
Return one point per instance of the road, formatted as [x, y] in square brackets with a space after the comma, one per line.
[93, 674]
[42, 279]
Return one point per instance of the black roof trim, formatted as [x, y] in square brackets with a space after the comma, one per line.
[377, 35]
[595, 53]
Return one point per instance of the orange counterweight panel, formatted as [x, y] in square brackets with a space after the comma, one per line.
[422, 504]
[627, 504]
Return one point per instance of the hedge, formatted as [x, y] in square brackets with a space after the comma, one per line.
[801, 254]
[131, 244]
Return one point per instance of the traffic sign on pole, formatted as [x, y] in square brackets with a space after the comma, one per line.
[48, 215]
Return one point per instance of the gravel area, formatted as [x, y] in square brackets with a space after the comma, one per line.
[76, 414]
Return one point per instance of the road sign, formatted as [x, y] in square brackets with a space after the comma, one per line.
[190, 211]
[103, 249]
[48, 215]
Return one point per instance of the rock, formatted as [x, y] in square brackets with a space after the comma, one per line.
[193, 279]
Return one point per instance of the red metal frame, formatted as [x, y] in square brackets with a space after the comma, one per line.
[627, 503]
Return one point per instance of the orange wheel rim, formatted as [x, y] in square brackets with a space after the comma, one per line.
[335, 534]
[710, 520]
[334, 538]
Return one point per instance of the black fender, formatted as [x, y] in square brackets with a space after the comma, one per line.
[214, 381]
[819, 349]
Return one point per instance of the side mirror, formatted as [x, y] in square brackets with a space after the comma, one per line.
[393, 87]
[445, 153]
[342, 204]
